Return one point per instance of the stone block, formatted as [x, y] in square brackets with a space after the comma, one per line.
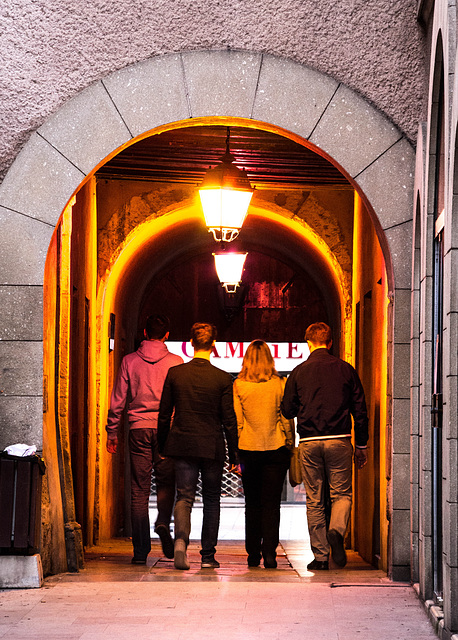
[21, 572]
[21, 313]
[415, 362]
[401, 425]
[425, 370]
[291, 96]
[401, 371]
[450, 415]
[39, 182]
[221, 83]
[450, 344]
[451, 589]
[425, 567]
[425, 496]
[425, 416]
[414, 508]
[401, 481]
[400, 537]
[353, 133]
[427, 247]
[21, 368]
[402, 315]
[21, 421]
[426, 288]
[450, 470]
[436, 616]
[414, 460]
[426, 445]
[150, 93]
[414, 411]
[399, 240]
[453, 228]
[23, 247]
[400, 573]
[450, 533]
[87, 128]
[415, 312]
[450, 285]
[414, 558]
[388, 185]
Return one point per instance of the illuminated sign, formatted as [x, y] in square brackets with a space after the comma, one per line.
[229, 355]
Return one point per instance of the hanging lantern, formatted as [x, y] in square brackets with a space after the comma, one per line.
[225, 194]
[229, 267]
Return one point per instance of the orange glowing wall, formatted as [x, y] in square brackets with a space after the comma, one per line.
[70, 439]
[370, 305]
[82, 396]
[53, 553]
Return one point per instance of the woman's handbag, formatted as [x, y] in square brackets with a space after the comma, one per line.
[295, 473]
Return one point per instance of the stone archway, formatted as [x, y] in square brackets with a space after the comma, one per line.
[66, 150]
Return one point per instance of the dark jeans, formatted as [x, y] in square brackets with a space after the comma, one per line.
[187, 474]
[143, 457]
[263, 475]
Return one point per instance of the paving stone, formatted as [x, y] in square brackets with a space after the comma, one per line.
[358, 601]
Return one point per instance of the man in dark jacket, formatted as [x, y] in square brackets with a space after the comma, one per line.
[199, 396]
[141, 378]
[324, 392]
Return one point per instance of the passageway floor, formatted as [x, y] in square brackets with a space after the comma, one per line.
[111, 599]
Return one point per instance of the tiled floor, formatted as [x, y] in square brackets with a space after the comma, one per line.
[114, 600]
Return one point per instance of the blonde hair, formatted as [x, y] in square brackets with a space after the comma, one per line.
[258, 364]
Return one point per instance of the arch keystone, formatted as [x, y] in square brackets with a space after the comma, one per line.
[221, 83]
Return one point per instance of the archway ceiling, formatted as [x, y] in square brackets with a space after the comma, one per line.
[183, 155]
[181, 243]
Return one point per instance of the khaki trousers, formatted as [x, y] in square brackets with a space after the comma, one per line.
[326, 462]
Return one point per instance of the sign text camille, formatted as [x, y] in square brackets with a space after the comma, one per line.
[229, 355]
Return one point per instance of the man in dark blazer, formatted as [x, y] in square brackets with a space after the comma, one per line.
[195, 413]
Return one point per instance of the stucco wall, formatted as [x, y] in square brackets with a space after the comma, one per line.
[52, 50]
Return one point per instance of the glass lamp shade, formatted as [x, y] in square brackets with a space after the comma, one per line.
[229, 267]
[225, 194]
[225, 210]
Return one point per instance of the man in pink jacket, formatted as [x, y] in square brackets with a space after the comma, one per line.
[141, 378]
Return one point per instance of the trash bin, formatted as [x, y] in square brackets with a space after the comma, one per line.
[20, 504]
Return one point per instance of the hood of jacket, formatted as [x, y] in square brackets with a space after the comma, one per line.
[152, 351]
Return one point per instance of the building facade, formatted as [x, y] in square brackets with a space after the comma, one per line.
[345, 117]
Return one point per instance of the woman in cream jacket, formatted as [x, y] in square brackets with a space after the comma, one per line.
[265, 440]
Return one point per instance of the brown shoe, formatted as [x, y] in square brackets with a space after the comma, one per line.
[338, 553]
[180, 559]
[163, 532]
[318, 565]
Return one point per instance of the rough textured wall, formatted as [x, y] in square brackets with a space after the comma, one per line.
[51, 50]
[124, 204]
